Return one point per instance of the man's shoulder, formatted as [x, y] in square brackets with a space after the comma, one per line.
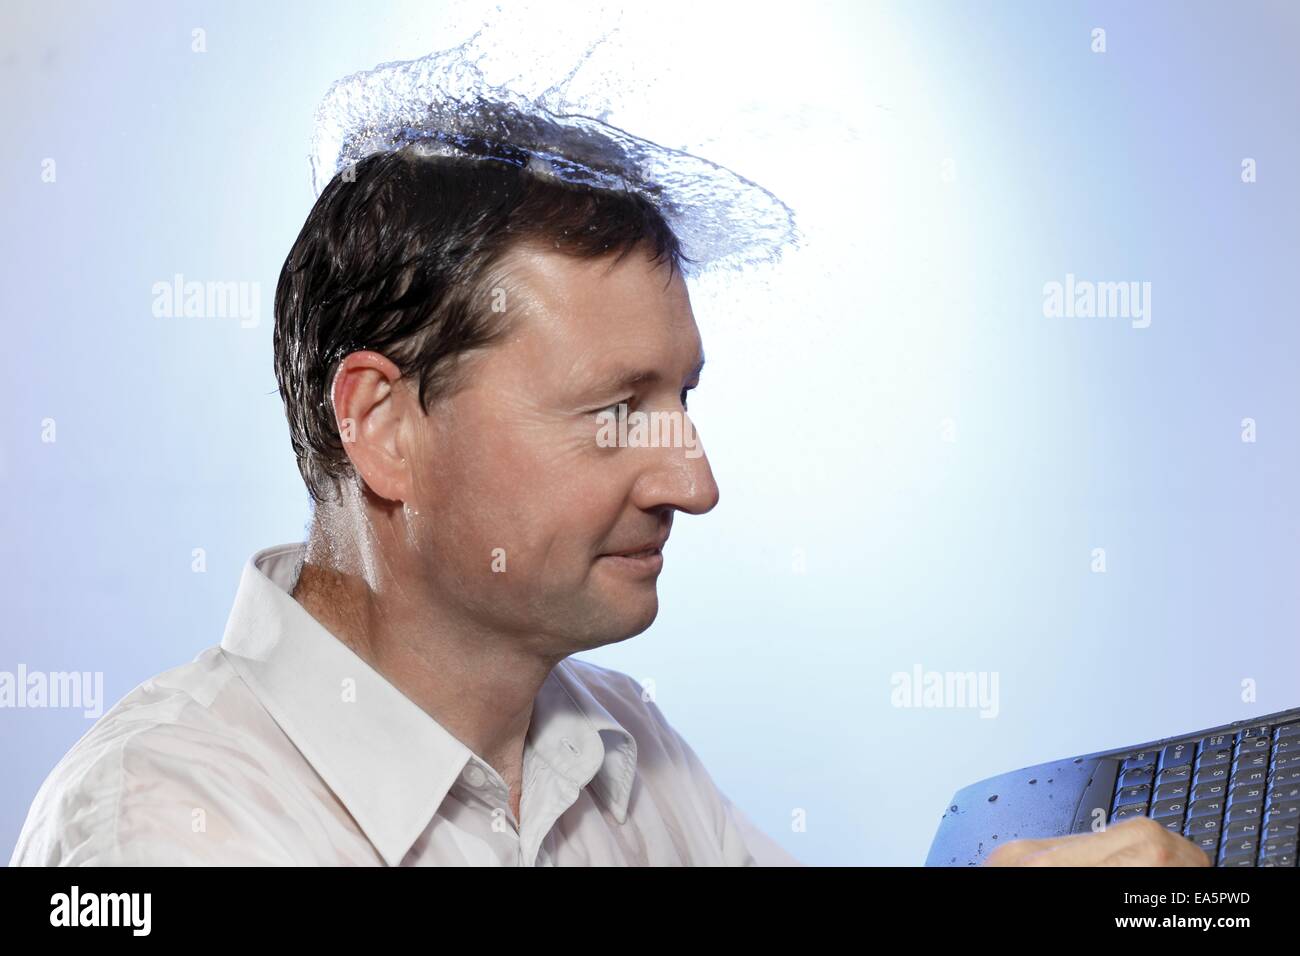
[164, 746]
[192, 699]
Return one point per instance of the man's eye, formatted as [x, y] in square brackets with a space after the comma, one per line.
[616, 410]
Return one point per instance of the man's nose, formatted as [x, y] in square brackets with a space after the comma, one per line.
[679, 477]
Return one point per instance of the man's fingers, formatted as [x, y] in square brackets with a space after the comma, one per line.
[1150, 844]
[1093, 849]
[1076, 849]
[1011, 854]
[1138, 841]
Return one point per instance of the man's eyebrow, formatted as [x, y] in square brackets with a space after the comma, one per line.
[632, 377]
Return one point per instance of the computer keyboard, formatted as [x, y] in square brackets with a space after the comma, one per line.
[1233, 790]
[1236, 796]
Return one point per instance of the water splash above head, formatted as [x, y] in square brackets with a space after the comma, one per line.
[443, 104]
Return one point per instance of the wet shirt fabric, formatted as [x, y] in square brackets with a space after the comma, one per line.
[281, 746]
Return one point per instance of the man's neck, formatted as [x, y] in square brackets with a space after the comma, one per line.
[479, 687]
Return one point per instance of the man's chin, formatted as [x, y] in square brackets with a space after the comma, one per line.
[624, 616]
[644, 621]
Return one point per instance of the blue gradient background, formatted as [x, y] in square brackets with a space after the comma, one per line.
[914, 300]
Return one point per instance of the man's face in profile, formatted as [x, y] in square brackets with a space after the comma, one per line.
[512, 460]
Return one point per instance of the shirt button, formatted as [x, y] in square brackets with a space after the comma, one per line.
[473, 775]
[570, 744]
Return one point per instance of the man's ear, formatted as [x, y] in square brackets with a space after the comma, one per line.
[369, 411]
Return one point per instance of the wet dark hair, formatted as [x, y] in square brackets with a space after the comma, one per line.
[397, 256]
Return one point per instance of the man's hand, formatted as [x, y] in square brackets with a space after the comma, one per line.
[1137, 841]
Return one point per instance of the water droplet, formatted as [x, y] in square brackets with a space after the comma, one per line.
[444, 104]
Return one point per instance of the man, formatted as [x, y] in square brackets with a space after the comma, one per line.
[452, 339]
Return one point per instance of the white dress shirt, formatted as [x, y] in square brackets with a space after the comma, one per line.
[281, 746]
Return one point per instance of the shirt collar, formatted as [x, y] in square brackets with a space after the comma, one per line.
[388, 761]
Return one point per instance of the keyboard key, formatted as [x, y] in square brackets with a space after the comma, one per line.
[1245, 811]
[1246, 794]
[1209, 842]
[1209, 789]
[1222, 762]
[1250, 762]
[1239, 845]
[1281, 828]
[1243, 828]
[1133, 810]
[1139, 761]
[1171, 791]
[1136, 778]
[1259, 730]
[1174, 774]
[1248, 777]
[1287, 792]
[1168, 808]
[1203, 825]
[1286, 810]
[1210, 806]
[1216, 774]
[1287, 730]
[1285, 776]
[1177, 755]
[1255, 745]
[1139, 794]
[1277, 845]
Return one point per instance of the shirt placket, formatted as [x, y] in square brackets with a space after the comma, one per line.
[547, 795]
[488, 787]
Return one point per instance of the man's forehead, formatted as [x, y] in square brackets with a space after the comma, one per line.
[554, 278]
[585, 316]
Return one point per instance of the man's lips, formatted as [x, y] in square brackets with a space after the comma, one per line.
[643, 553]
[643, 562]
[641, 559]
[645, 550]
